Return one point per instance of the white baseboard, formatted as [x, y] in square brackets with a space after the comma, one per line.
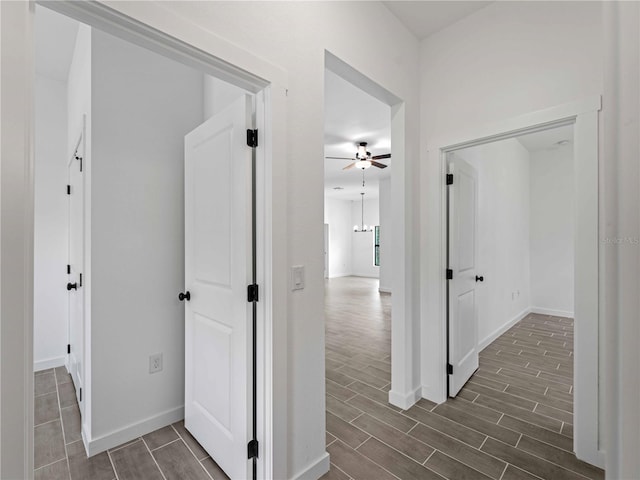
[555, 313]
[429, 394]
[315, 470]
[405, 400]
[364, 275]
[130, 432]
[384, 290]
[49, 363]
[496, 333]
[338, 275]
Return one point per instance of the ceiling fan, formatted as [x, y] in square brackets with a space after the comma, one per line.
[363, 159]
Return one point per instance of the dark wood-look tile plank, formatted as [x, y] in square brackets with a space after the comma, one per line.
[552, 412]
[378, 373]
[363, 376]
[178, 463]
[394, 462]
[560, 457]
[334, 473]
[356, 465]
[478, 424]
[460, 451]
[514, 473]
[338, 377]
[342, 409]
[62, 376]
[426, 404]
[45, 383]
[499, 395]
[214, 469]
[48, 444]
[191, 442]
[567, 430]
[135, 462]
[450, 427]
[475, 409]
[527, 462]
[46, 408]
[517, 412]
[382, 413]
[522, 379]
[160, 437]
[450, 468]
[71, 424]
[97, 467]
[54, 471]
[371, 393]
[338, 391]
[67, 395]
[328, 438]
[344, 431]
[516, 380]
[540, 398]
[534, 431]
[394, 438]
[467, 395]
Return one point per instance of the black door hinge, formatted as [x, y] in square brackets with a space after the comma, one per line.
[252, 293]
[68, 189]
[252, 138]
[80, 394]
[449, 274]
[449, 369]
[449, 178]
[80, 159]
[68, 348]
[252, 449]
[68, 269]
[80, 282]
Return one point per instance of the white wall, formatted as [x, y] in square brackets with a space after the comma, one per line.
[386, 263]
[552, 226]
[337, 214]
[503, 235]
[362, 242]
[50, 310]
[142, 106]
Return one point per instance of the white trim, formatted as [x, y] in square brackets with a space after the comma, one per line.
[499, 331]
[93, 446]
[315, 470]
[406, 400]
[384, 290]
[550, 311]
[584, 115]
[49, 363]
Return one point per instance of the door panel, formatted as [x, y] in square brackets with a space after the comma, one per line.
[463, 341]
[217, 272]
[75, 361]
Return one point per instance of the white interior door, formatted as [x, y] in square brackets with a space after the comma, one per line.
[326, 250]
[75, 270]
[217, 272]
[463, 325]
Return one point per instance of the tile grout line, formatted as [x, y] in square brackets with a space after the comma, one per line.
[113, 465]
[153, 458]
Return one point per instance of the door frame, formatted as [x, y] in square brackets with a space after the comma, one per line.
[172, 37]
[588, 263]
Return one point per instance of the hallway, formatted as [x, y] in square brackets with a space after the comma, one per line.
[513, 419]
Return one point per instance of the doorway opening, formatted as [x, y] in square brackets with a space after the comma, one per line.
[583, 116]
[135, 112]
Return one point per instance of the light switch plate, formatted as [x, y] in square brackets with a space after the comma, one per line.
[297, 277]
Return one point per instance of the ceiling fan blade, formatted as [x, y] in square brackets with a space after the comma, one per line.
[341, 158]
[380, 157]
[350, 166]
[378, 164]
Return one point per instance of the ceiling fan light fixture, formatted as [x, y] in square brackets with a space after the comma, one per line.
[363, 164]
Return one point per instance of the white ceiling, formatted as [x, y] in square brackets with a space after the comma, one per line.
[353, 116]
[55, 39]
[547, 139]
[424, 18]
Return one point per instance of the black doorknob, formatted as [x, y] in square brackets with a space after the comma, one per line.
[184, 296]
[479, 278]
[72, 286]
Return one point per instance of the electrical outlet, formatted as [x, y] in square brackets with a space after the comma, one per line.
[155, 363]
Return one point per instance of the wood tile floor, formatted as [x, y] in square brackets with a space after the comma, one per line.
[169, 453]
[513, 420]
